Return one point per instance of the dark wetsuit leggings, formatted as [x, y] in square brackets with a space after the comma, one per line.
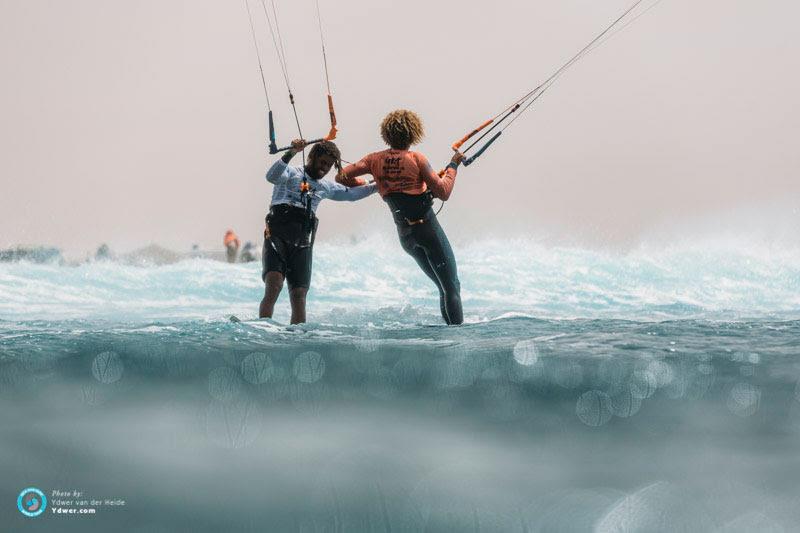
[428, 245]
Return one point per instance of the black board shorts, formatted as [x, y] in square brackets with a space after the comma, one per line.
[287, 249]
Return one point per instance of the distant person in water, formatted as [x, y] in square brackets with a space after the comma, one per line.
[231, 242]
[247, 253]
[292, 222]
[103, 253]
[408, 184]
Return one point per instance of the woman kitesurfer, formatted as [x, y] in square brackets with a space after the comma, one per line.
[408, 184]
[292, 222]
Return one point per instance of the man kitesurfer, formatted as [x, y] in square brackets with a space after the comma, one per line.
[408, 183]
[291, 224]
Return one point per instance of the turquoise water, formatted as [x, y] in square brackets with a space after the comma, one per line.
[374, 281]
[655, 390]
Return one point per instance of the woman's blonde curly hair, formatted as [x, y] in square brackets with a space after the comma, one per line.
[402, 128]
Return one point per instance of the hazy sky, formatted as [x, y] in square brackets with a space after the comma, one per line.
[141, 121]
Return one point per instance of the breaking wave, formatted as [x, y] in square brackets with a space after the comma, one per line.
[374, 281]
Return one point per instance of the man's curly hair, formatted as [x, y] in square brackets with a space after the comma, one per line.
[402, 128]
[327, 148]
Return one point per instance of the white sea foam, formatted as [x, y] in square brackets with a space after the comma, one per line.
[375, 281]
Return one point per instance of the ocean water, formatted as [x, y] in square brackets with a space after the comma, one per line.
[652, 390]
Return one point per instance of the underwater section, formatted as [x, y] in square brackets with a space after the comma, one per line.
[513, 424]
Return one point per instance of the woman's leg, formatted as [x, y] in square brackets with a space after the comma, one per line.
[421, 258]
[429, 247]
[443, 263]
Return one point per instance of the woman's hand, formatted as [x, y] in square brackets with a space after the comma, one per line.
[458, 157]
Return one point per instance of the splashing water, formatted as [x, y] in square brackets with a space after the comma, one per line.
[375, 281]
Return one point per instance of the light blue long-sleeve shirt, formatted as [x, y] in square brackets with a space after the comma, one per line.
[287, 181]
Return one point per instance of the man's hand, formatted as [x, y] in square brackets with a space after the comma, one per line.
[458, 157]
[298, 145]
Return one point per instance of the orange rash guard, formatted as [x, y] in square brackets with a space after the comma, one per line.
[400, 171]
[231, 238]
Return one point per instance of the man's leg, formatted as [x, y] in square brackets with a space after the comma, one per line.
[298, 275]
[272, 288]
[298, 298]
